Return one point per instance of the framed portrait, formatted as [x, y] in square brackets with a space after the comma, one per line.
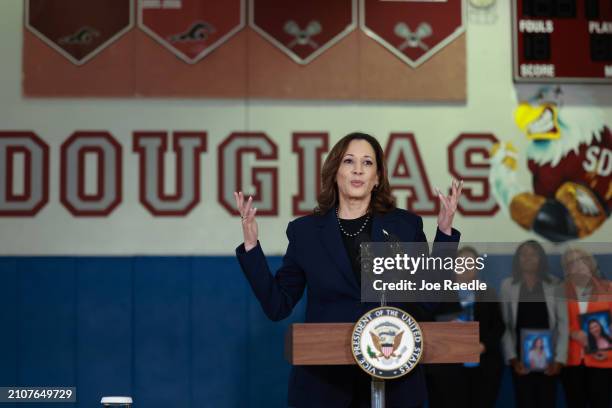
[596, 325]
[536, 349]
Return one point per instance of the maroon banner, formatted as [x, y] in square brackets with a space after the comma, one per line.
[191, 29]
[78, 29]
[412, 30]
[303, 29]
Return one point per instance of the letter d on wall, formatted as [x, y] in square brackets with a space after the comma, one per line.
[34, 193]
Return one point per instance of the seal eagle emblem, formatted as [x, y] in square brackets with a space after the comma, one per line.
[387, 342]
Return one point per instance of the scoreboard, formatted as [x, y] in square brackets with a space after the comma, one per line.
[562, 40]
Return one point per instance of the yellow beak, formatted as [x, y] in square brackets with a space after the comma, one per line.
[538, 122]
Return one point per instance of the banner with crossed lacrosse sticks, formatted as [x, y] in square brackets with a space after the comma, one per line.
[303, 30]
[412, 30]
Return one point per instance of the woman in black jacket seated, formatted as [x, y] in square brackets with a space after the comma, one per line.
[470, 384]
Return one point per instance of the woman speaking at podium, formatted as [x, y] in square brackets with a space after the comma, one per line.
[355, 205]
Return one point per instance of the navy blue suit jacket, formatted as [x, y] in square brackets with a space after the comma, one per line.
[316, 257]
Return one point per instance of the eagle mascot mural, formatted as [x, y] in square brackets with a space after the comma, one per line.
[569, 156]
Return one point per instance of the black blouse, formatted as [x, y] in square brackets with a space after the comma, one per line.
[352, 244]
[532, 312]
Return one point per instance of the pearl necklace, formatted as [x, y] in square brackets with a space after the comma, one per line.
[349, 234]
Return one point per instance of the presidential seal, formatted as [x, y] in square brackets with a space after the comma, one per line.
[387, 342]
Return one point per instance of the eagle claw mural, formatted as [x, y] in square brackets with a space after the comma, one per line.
[569, 156]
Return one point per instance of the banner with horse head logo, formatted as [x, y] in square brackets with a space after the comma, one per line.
[78, 29]
[191, 29]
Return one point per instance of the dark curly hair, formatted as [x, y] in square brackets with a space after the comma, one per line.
[381, 202]
[592, 339]
[542, 261]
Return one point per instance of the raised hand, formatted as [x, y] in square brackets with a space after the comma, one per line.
[448, 206]
[249, 225]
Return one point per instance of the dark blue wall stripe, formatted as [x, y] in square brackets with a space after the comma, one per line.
[162, 338]
[9, 351]
[104, 328]
[46, 300]
[169, 331]
[220, 333]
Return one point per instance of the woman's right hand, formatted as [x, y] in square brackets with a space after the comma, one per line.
[579, 336]
[249, 225]
[518, 367]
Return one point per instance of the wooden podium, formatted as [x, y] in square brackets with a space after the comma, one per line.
[330, 344]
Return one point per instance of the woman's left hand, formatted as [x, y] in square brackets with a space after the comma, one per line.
[553, 368]
[601, 355]
[448, 206]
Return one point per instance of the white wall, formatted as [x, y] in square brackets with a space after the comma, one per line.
[209, 229]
